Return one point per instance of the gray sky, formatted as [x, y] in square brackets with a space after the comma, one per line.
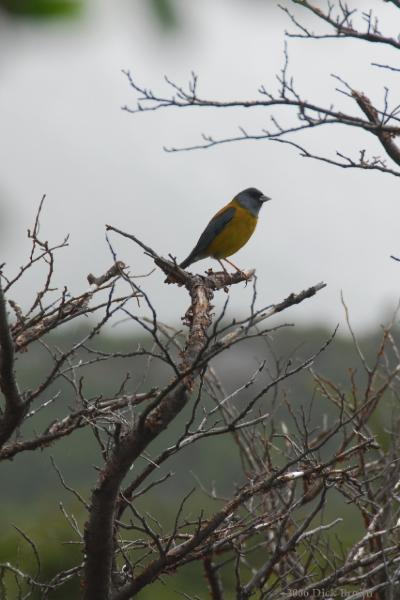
[63, 133]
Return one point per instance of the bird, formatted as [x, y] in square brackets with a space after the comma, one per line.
[229, 229]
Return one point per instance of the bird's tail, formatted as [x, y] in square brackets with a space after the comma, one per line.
[185, 263]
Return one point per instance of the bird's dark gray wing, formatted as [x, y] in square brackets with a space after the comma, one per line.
[215, 226]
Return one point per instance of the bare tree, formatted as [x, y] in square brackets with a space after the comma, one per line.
[290, 113]
[272, 535]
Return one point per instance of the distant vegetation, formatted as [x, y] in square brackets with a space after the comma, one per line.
[33, 497]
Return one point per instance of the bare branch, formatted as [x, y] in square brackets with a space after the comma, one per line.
[15, 407]
[342, 24]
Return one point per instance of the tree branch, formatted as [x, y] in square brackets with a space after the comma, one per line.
[342, 24]
[372, 115]
[99, 529]
[15, 407]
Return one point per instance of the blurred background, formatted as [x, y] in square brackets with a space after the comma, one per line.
[63, 134]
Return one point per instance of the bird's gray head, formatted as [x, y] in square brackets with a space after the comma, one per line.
[252, 199]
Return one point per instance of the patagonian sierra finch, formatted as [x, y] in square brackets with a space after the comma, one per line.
[229, 229]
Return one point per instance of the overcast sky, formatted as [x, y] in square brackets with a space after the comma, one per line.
[63, 134]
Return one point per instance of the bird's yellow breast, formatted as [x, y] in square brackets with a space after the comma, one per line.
[235, 234]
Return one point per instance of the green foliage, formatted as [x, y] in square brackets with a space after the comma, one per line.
[166, 13]
[51, 535]
[163, 11]
[31, 499]
[42, 8]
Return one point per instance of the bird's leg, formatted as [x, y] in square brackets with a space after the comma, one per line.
[223, 266]
[235, 267]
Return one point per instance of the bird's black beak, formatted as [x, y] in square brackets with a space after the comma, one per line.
[264, 198]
